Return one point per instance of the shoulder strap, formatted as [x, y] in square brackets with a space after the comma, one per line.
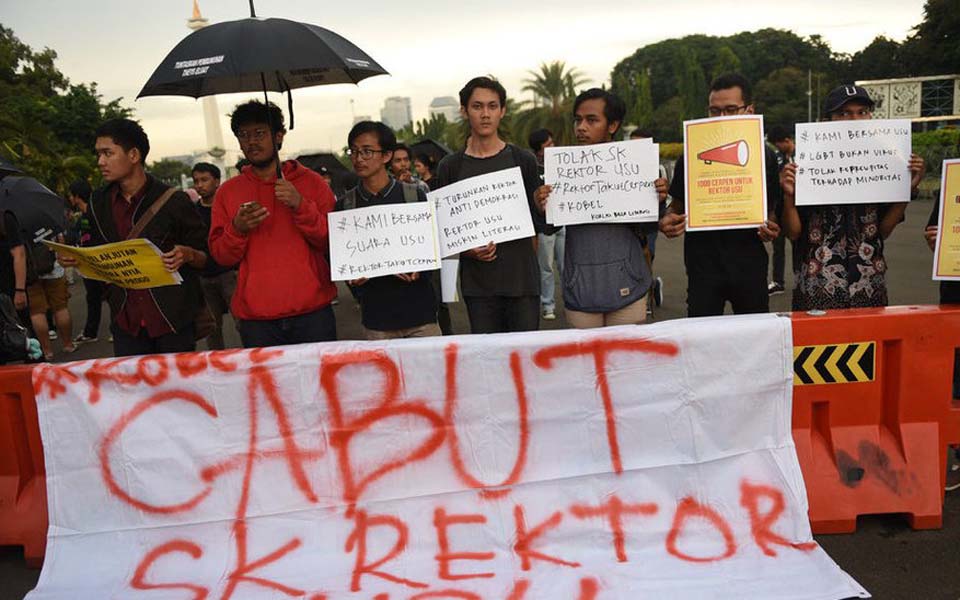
[151, 212]
[456, 162]
[410, 192]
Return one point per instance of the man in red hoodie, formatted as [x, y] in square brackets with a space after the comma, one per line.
[276, 231]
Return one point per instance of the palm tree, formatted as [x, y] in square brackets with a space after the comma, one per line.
[554, 88]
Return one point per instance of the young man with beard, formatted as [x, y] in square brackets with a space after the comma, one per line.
[218, 282]
[392, 306]
[500, 282]
[161, 319]
[840, 247]
[726, 265]
[275, 229]
[606, 276]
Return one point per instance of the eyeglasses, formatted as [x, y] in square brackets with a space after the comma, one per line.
[726, 111]
[364, 153]
[863, 112]
[255, 135]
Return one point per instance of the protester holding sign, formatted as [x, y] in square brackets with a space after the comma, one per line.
[161, 319]
[840, 246]
[726, 265]
[500, 282]
[607, 276]
[392, 306]
[276, 230]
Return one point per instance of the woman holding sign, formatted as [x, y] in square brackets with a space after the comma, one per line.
[607, 277]
[840, 246]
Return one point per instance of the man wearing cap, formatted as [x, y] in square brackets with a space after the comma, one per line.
[840, 247]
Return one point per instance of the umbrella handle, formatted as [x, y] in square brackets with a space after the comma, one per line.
[266, 105]
[253, 12]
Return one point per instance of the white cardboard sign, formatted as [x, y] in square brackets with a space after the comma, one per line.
[383, 240]
[602, 183]
[482, 209]
[853, 162]
[630, 462]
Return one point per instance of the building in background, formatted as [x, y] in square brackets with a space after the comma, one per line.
[930, 102]
[446, 106]
[396, 112]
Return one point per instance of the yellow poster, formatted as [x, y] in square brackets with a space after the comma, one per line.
[133, 264]
[946, 260]
[724, 162]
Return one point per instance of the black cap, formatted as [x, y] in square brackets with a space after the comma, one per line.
[840, 95]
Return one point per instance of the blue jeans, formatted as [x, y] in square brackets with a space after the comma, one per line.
[550, 249]
[317, 326]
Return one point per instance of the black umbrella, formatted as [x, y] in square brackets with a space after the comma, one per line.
[255, 54]
[7, 168]
[39, 211]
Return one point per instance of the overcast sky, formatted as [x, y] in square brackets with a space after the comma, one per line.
[430, 48]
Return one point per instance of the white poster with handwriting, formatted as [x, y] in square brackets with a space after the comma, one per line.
[602, 183]
[383, 240]
[853, 162]
[482, 209]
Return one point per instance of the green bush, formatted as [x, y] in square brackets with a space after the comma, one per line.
[936, 146]
[671, 151]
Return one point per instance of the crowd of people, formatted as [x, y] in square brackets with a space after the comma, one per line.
[255, 246]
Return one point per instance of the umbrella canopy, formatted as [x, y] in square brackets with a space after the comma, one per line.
[7, 168]
[430, 147]
[39, 211]
[250, 55]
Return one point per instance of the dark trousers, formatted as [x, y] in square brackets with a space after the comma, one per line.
[502, 314]
[125, 344]
[780, 258]
[317, 326]
[95, 290]
[746, 290]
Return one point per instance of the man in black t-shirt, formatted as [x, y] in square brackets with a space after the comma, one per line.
[393, 306]
[13, 266]
[500, 282]
[725, 265]
[217, 282]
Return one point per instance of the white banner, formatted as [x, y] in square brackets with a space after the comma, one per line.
[482, 209]
[602, 183]
[383, 240]
[634, 462]
[853, 162]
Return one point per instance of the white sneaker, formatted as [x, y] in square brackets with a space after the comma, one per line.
[548, 314]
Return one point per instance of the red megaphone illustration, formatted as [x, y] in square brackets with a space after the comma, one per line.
[736, 154]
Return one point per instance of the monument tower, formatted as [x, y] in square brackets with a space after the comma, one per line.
[211, 113]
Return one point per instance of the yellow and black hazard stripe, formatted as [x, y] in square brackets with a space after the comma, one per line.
[834, 363]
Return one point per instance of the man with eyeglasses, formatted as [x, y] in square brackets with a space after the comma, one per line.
[393, 306]
[840, 247]
[726, 265]
[276, 231]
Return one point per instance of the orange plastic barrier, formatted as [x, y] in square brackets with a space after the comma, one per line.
[23, 489]
[873, 412]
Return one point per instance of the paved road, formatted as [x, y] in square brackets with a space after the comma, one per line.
[885, 556]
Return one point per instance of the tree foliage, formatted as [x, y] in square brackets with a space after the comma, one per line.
[777, 62]
[46, 122]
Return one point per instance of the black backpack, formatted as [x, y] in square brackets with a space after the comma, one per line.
[40, 260]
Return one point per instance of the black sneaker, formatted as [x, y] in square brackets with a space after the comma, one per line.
[83, 339]
[775, 288]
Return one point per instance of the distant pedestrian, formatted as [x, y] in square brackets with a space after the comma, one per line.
[218, 282]
[79, 198]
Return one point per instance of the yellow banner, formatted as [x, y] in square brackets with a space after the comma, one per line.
[724, 165]
[133, 264]
[946, 262]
